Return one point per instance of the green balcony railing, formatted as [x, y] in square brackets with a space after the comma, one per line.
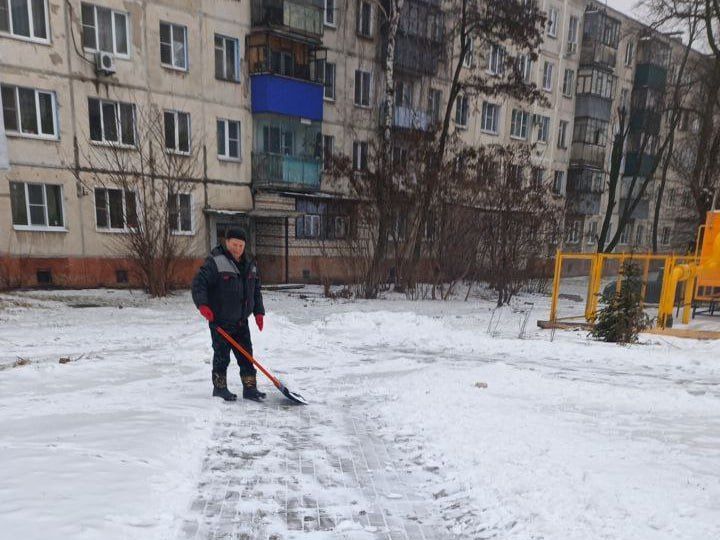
[281, 170]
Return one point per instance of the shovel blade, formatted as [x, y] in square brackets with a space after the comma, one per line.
[292, 396]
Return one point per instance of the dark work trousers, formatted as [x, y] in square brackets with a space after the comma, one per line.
[240, 332]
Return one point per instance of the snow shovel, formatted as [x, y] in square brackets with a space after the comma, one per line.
[292, 396]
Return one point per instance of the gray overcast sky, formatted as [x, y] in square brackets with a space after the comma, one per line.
[626, 6]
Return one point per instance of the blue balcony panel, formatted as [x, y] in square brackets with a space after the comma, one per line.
[286, 96]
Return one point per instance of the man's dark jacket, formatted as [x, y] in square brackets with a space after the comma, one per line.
[230, 288]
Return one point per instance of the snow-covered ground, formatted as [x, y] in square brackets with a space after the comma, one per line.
[428, 420]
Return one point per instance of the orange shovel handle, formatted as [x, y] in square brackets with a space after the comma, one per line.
[247, 355]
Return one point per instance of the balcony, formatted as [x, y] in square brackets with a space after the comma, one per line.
[592, 106]
[302, 17]
[597, 54]
[268, 53]
[646, 121]
[650, 75]
[642, 210]
[286, 96]
[407, 118]
[587, 154]
[413, 56]
[281, 171]
[584, 204]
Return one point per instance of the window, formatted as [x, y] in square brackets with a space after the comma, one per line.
[36, 206]
[434, 104]
[327, 149]
[595, 82]
[562, 134]
[173, 46]
[624, 93]
[278, 140]
[552, 22]
[559, 182]
[111, 121]
[543, 131]
[105, 30]
[568, 83]
[330, 12]
[592, 233]
[469, 58]
[573, 232]
[360, 151]
[404, 94]
[572, 35]
[461, 110]
[547, 76]
[177, 131]
[227, 58]
[24, 18]
[364, 18]
[320, 220]
[496, 61]
[538, 177]
[115, 209]
[629, 53]
[590, 131]
[228, 139]
[490, 114]
[180, 212]
[28, 111]
[519, 124]
[665, 237]
[329, 81]
[524, 66]
[362, 88]
[639, 235]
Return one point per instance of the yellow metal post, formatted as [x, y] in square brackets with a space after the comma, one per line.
[687, 299]
[646, 273]
[556, 286]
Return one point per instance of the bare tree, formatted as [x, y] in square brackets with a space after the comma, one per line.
[142, 190]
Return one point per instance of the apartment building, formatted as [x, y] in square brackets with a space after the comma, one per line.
[262, 91]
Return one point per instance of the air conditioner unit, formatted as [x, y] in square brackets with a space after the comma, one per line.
[104, 63]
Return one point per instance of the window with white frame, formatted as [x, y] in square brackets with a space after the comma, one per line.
[173, 46]
[360, 155]
[562, 134]
[29, 112]
[469, 58]
[461, 110]
[330, 12]
[568, 83]
[228, 139]
[524, 65]
[538, 177]
[24, 19]
[105, 30]
[490, 117]
[547, 76]
[434, 104]
[111, 121]
[328, 149]
[559, 182]
[629, 53]
[626, 234]
[329, 80]
[543, 128]
[115, 209]
[180, 212]
[177, 131]
[639, 235]
[519, 124]
[572, 36]
[496, 60]
[364, 18]
[36, 206]
[552, 24]
[592, 233]
[227, 58]
[362, 88]
[665, 236]
[573, 233]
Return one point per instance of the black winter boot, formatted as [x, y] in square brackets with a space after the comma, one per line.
[220, 388]
[250, 390]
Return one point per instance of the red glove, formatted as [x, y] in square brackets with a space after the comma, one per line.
[206, 312]
[259, 321]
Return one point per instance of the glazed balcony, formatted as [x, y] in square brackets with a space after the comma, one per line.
[302, 17]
